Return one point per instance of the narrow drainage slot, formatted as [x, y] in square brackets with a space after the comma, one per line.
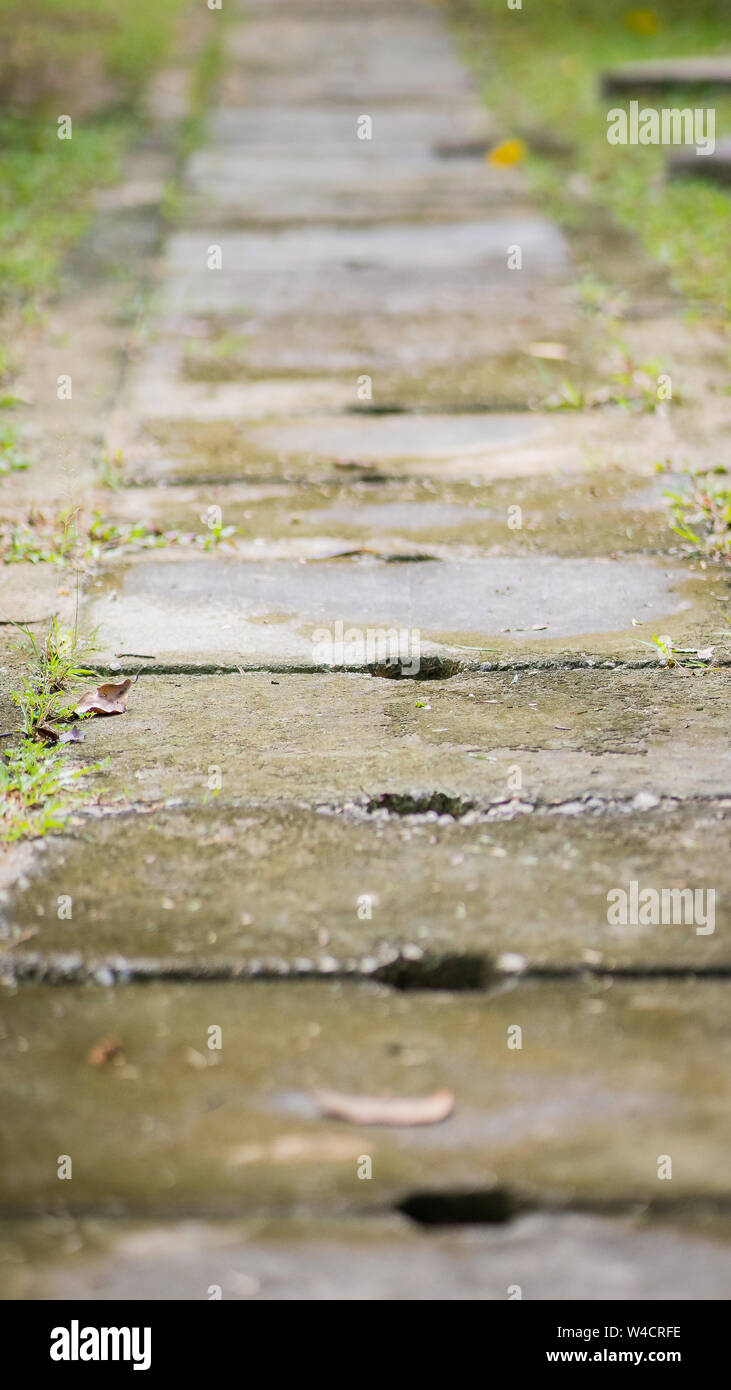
[420, 803]
[430, 668]
[478, 1207]
[451, 972]
[463, 149]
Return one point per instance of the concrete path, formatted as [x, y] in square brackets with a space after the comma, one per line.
[392, 748]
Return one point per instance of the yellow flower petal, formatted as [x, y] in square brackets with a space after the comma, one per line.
[510, 152]
[642, 21]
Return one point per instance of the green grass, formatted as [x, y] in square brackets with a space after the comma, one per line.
[40, 786]
[39, 789]
[56, 672]
[12, 458]
[701, 515]
[73, 539]
[53, 52]
[541, 66]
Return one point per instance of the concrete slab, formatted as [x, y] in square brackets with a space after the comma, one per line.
[222, 367]
[405, 269]
[225, 609]
[668, 74]
[420, 126]
[447, 249]
[378, 302]
[341, 737]
[157, 390]
[275, 185]
[685, 164]
[572, 1257]
[563, 515]
[582, 1112]
[244, 890]
[372, 55]
[28, 594]
[321, 448]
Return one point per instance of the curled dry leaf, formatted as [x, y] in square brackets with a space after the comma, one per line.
[379, 1110]
[73, 735]
[47, 734]
[109, 698]
[105, 1051]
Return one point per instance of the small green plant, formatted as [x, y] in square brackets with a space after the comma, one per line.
[684, 657]
[630, 384]
[40, 540]
[216, 534]
[110, 468]
[71, 539]
[51, 684]
[12, 460]
[39, 788]
[569, 396]
[701, 516]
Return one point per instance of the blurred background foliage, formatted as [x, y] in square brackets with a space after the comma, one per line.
[539, 69]
[88, 59]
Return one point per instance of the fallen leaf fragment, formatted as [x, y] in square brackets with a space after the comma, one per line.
[73, 735]
[20, 940]
[556, 352]
[298, 1148]
[380, 1110]
[47, 733]
[105, 1051]
[108, 698]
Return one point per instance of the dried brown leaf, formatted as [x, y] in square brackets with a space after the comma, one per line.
[108, 698]
[47, 734]
[73, 735]
[105, 1051]
[388, 1110]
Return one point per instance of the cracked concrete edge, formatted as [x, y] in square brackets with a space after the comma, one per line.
[398, 970]
[432, 667]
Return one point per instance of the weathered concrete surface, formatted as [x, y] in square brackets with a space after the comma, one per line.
[27, 595]
[570, 1257]
[477, 250]
[220, 434]
[225, 609]
[624, 775]
[244, 819]
[380, 55]
[218, 369]
[451, 363]
[716, 166]
[340, 737]
[404, 269]
[669, 74]
[582, 1112]
[418, 127]
[250, 888]
[591, 514]
[349, 182]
